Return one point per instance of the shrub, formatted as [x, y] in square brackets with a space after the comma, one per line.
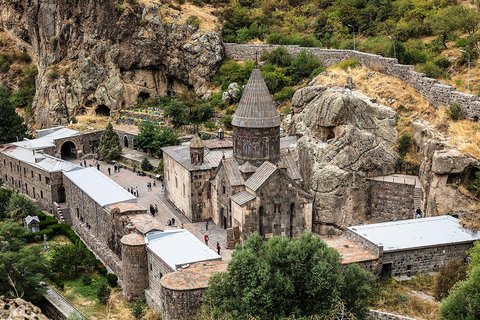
[48, 222]
[112, 279]
[303, 65]
[138, 309]
[316, 72]
[348, 64]
[103, 292]
[210, 125]
[143, 22]
[194, 21]
[102, 270]
[86, 279]
[227, 122]
[119, 8]
[285, 94]
[52, 74]
[278, 56]
[454, 111]
[475, 184]
[447, 276]
[404, 144]
[442, 62]
[146, 165]
[433, 71]
[461, 43]
[229, 111]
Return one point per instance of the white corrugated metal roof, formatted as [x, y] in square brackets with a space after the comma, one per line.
[37, 159]
[99, 187]
[47, 140]
[178, 247]
[416, 233]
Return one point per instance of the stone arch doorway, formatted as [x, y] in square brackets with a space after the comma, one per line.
[125, 141]
[68, 150]
[102, 110]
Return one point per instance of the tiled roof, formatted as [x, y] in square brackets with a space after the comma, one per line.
[292, 168]
[213, 144]
[242, 197]
[195, 276]
[247, 167]
[256, 108]
[261, 175]
[233, 173]
[211, 159]
[286, 142]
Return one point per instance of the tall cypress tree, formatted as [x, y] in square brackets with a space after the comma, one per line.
[12, 125]
[110, 146]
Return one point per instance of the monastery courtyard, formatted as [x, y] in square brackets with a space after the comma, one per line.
[166, 211]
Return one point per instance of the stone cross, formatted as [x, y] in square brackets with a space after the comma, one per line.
[46, 248]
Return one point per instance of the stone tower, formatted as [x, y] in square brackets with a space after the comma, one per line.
[256, 124]
[135, 270]
[197, 151]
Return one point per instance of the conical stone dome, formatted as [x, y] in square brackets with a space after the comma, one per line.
[256, 108]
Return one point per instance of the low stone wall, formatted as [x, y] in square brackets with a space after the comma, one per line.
[379, 315]
[364, 242]
[389, 200]
[431, 89]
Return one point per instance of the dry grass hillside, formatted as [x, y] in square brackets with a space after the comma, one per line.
[462, 134]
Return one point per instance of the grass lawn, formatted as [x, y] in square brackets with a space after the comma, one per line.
[410, 298]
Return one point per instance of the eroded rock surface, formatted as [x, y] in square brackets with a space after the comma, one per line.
[19, 309]
[345, 138]
[103, 55]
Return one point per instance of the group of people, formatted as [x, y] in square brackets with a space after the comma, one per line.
[171, 222]
[206, 243]
[153, 210]
[149, 185]
[133, 190]
[116, 166]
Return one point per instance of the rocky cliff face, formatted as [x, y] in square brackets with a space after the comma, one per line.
[443, 172]
[345, 138]
[17, 309]
[102, 55]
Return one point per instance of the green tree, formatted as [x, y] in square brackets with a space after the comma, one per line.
[12, 126]
[284, 277]
[154, 138]
[23, 97]
[138, 309]
[103, 292]
[201, 112]
[178, 113]
[110, 146]
[69, 259]
[23, 269]
[146, 165]
[227, 121]
[404, 144]
[463, 302]
[358, 288]
[5, 195]
[303, 65]
[19, 207]
[445, 23]
[447, 276]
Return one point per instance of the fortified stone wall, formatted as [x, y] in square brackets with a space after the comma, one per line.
[135, 271]
[389, 201]
[424, 260]
[180, 304]
[431, 89]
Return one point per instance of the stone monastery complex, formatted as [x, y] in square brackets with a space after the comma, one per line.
[244, 184]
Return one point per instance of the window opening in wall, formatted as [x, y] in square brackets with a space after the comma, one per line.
[47, 181]
[261, 213]
[33, 191]
[150, 266]
[386, 270]
[24, 171]
[18, 168]
[246, 149]
[292, 214]
[31, 171]
[26, 187]
[161, 275]
[39, 177]
[176, 182]
[41, 194]
[264, 150]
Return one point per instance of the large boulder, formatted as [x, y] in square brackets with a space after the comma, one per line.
[19, 309]
[109, 57]
[344, 139]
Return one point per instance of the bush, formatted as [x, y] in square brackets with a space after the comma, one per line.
[48, 222]
[227, 122]
[146, 165]
[119, 8]
[303, 65]
[433, 71]
[103, 292]
[475, 184]
[461, 43]
[285, 94]
[348, 64]
[447, 276]
[404, 144]
[52, 74]
[112, 279]
[442, 62]
[278, 56]
[138, 309]
[454, 111]
[86, 279]
[194, 21]
[102, 270]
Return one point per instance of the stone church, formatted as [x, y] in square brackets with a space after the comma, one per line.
[251, 181]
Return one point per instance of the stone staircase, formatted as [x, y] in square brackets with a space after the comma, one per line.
[417, 198]
[62, 213]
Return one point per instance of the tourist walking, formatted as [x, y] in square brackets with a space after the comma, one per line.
[98, 166]
[206, 225]
[218, 248]
[156, 209]
[109, 171]
[173, 221]
[169, 222]
[114, 168]
[154, 184]
[84, 163]
[181, 227]
[152, 210]
[206, 240]
[118, 167]
[81, 163]
[418, 212]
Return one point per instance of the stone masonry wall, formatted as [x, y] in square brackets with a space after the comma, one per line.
[180, 304]
[379, 315]
[156, 270]
[389, 200]
[364, 242]
[424, 260]
[431, 89]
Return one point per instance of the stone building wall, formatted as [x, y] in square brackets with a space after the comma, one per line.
[389, 200]
[253, 141]
[378, 250]
[135, 271]
[431, 89]
[178, 186]
[424, 260]
[126, 139]
[180, 304]
[156, 270]
[83, 143]
[200, 193]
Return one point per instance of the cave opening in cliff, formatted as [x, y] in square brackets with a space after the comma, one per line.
[144, 96]
[102, 110]
[68, 150]
[82, 111]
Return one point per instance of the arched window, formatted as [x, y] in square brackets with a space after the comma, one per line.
[246, 148]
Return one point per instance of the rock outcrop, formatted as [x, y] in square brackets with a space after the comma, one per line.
[102, 55]
[345, 138]
[443, 171]
[19, 309]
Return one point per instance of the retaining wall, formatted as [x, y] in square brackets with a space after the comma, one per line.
[390, 200]
[431, 89]
[379, 315]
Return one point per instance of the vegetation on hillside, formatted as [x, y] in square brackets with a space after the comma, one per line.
[12, 126]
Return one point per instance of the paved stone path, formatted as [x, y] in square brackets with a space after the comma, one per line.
[166, 210]
[60, 302]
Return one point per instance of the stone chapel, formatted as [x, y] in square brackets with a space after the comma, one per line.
[251, 181]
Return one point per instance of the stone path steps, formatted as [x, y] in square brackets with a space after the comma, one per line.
[417, 198]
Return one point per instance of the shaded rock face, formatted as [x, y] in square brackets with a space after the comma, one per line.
[19, 309]
[442, 170]
[345, 138]
[93, 54]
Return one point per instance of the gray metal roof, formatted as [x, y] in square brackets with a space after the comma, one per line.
[416, 233]
[243, 197]
[261, 175]
[37, 159]
[178, 247]
[46, 141]
[29, 219]
[256, 108]
[234, 175]
[98, 186]
[211, 158]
